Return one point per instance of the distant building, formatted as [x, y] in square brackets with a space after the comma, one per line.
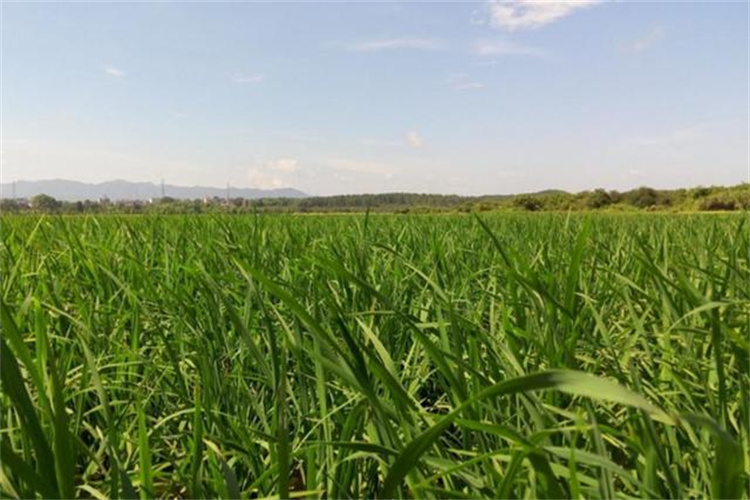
[213, 200]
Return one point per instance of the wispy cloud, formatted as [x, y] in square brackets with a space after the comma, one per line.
[530, 14]
[505, 48]
[113, 72]
[646, 41]
[243, 78]
[362, 167]
[414, 139]
[468, 86]
[462, 81]
[410, 43]
[258, 178]
[284, 165]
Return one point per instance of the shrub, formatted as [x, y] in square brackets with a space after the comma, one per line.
[718, 203]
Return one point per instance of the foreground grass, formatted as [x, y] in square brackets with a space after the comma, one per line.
[508, 356]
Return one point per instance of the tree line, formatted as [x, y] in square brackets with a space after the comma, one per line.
[714, 198]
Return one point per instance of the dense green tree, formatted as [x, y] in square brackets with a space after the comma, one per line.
[528, 202]
[642, 197]
[8, 205]
[598, 198]
[45, 203]
[700, 192]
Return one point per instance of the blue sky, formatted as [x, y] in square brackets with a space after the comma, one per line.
[467, 98]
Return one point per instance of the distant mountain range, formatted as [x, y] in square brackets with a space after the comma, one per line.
[124, 190]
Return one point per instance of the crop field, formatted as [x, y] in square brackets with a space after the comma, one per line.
[380, 356]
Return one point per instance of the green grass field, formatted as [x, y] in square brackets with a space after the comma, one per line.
[500, 356]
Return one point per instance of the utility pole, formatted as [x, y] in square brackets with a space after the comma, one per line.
[14, 190]
[162, 187]
[227, 192]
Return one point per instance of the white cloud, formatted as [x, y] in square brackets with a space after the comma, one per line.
[461, 81]
[647, 41]
[505, 48]
[114, 72]
[414, 139]
[363, 167]
[529, 14]
[242, 78]
[284, 165]
[257, 178]
[469, 86]
[395, 43]
[271, 174]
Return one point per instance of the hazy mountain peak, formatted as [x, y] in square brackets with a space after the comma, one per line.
[119, 189]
